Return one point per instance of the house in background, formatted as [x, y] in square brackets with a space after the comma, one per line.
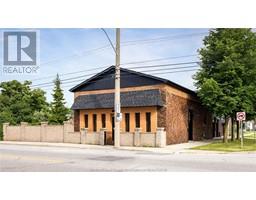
[147, 102]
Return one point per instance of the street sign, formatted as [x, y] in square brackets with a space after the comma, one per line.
[118, 117]
[240, 116]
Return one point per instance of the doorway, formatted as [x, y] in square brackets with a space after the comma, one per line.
[110, 134]
[190, 124]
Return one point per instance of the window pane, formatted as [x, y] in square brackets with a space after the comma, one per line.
[94, 122]
[148, 122]
[103, 120]
[86, 121]
[137, 120]
[127, 122]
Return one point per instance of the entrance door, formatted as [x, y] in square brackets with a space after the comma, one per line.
[190, 125]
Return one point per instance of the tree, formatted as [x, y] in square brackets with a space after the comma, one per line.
[18, 103]
[226, 81]
[58, 111]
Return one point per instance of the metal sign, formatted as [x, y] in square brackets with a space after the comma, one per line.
[118, 108]
[240, 116]
[118, 117]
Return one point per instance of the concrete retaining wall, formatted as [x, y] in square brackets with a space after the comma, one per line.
[13, 133]
[127, 139]
[31, 133]
[148, 140]
[72, 137]
[65, 134]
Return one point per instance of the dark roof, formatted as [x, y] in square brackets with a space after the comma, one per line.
[128, 99]
[111, 69]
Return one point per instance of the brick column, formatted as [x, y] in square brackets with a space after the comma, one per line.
[43, 131]
[84, 132]
[22, 130]
[102, 136]
[160, 137]
[5, 125]
[137, 133]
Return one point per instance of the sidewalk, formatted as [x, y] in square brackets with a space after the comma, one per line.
[170, 149]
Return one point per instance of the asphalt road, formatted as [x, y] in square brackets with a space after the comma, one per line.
[67, 159]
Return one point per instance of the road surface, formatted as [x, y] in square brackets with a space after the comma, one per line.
[67, 159]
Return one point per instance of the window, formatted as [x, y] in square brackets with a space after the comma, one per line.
[103, 120]
[148, 122]
[94, 122]
[137, 120]
[127, 122]
[86, 121]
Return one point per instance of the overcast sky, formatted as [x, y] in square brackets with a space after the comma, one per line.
[69, 50]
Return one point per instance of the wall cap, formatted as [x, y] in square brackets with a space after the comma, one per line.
[159, 129]
[120, 129]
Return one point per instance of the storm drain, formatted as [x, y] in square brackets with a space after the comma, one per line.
[110, 158]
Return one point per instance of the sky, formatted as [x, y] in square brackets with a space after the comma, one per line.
[65, 51]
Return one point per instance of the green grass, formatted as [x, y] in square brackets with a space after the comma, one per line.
[231, 146]
[250, 135]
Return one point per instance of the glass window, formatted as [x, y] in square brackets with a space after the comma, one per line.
[86, 120]
[127, 122]
[103, 120]
[94, 122]
[137, 120]
[148, 122]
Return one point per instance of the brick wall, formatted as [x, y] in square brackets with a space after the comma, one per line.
[174, 117]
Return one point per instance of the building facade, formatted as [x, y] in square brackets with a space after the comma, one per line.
[147, 102]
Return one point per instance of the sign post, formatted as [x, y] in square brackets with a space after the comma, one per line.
[241, 116]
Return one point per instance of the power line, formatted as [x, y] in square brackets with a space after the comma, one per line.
[159, 59]
[109, 39]
[87, 52]
[112, 78]
[79, 80]
[138, 67]
[157, 70]
[76, 72]
[163, 65]
[160, 39]
[129, 43]
[127, 63]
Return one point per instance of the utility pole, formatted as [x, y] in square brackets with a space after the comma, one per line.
[118, 115]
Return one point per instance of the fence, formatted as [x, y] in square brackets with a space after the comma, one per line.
[65, 134]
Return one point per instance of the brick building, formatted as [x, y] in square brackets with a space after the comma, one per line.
[147, 102]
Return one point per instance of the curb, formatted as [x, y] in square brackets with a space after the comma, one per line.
[141, 149]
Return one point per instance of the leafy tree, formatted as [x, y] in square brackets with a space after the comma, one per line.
[19, 103]
[58, 111]
[226, 82]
